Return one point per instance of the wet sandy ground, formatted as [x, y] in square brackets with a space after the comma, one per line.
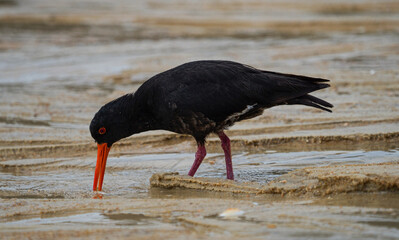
[301, 173]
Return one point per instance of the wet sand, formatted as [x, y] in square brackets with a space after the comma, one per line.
[317, 181]
[300, 173]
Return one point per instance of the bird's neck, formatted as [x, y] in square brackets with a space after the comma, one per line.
[138, 114]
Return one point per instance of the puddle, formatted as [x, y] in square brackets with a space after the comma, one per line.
[95, 218]
[131, 219]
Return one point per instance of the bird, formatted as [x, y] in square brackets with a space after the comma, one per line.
[199, 98]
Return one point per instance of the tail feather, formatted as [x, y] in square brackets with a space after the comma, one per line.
[319, 101]
[282, 88]
[287, 86]
[311, 101]
[300, 77]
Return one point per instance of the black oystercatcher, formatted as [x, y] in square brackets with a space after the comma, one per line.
[199, 98]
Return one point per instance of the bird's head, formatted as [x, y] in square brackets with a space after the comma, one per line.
[109, 125]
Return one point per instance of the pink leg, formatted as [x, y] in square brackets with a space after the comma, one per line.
[199, 156]
[227, 154]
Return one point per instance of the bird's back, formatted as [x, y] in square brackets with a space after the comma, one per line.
[203, 96]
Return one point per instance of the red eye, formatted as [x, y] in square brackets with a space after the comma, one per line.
[102, 130]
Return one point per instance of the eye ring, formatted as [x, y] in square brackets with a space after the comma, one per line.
[102, 130]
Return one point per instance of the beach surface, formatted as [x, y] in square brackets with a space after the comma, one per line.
[300, 173]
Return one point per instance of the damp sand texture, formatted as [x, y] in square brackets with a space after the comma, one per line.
[300, 173]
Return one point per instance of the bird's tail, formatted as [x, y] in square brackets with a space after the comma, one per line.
[294, 89]
[311, 101]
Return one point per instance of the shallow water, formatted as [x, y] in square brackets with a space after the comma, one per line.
[128, 175]
[38, 181]
[94, 218]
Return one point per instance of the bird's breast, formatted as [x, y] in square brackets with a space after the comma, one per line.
[192, 123]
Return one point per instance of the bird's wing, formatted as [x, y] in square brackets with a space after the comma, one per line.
[219, 89]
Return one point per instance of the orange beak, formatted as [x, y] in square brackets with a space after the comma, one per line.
[102, 154]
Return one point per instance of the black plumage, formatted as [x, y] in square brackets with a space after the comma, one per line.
[203, 97]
